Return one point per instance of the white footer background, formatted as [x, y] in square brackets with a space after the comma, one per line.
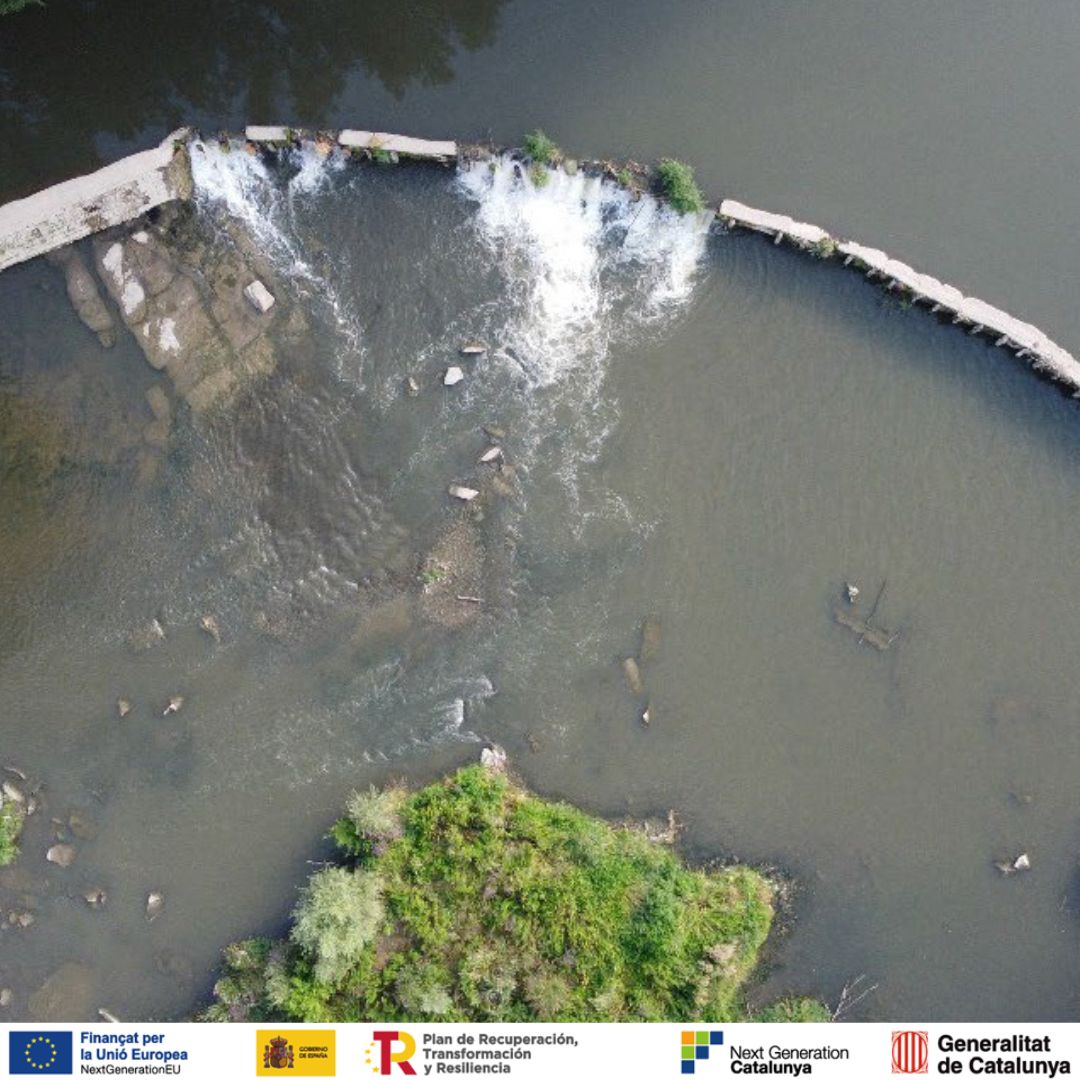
[570, 1051]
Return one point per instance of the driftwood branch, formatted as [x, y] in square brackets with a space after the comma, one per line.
[877, 600]
[853, 994]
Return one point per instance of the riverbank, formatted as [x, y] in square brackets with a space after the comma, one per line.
[473, 899]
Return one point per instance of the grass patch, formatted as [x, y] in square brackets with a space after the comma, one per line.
[794, 1011]
[434, 574]
[11, 822]
[676, 182]
[541, 149]
[472, 899]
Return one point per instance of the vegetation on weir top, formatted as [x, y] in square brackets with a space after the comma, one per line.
[472, 899]
[676, 182]
[542, 149]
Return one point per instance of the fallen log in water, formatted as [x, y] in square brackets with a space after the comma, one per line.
[866, 633]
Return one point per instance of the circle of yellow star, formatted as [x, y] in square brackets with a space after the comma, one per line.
[52, 1052]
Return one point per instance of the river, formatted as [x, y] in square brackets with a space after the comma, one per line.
[706, 428]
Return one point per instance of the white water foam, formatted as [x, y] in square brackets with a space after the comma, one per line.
[240, 183]
[583, 260]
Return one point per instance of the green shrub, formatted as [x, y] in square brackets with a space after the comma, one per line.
[541, 149]
[480, 901]
[421, 990]
[372, 821]
[11, 821]
[377, 814]
[794, 1011]
[338, 914]
[677, 184]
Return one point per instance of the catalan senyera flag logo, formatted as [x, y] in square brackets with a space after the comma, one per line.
[295, 1052]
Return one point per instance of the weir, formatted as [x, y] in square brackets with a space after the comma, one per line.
[122, 191]
[1027, 341]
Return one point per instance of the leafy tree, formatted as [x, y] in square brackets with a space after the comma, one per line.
[338, 914]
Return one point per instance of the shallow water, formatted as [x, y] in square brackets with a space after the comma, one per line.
[705, 428]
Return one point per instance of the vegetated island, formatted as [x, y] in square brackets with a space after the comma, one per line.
[473, 899]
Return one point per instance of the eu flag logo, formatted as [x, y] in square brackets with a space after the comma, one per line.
[37, 1053]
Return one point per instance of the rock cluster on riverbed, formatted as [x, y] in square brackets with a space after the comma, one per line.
[201, 305]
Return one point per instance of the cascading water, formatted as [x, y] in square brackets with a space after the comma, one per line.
[228, 177]
[583, 260]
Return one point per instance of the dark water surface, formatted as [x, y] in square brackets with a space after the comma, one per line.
[716, 431]
[942, 133]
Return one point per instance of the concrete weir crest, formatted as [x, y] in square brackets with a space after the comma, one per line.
[123, 191]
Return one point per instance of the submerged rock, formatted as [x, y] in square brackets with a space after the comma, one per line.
[84, 295]
[650, 639]
[210, 625]
[156, 433]
[61, 854]
[176, 703]
[123, 707]
[178, 287]
[633, 676]
[6, 998]
[453, 568]
[95, 897]
[65, 995]
[81, 827]
[146, 637]
[158, 401]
